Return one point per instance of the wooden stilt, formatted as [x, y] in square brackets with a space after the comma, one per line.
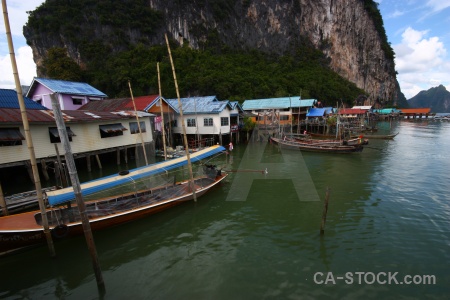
[44, 169]
[324, 213]
[88, 163]
[29, 170]
[118, 155]
[62, 174]
[126, 155]
[99, 163]
[3, 202]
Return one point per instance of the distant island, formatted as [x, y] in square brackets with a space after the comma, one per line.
[437, 98]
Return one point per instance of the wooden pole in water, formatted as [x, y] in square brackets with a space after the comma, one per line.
[139, 125]
[325, 210]
[3, 202]
[77, 191]
[162, 113]
[180, 107]
[26, 128]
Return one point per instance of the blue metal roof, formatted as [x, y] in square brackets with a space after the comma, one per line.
[199, 105]
[277, 103]
[316, 112]
[386, 111]
[67, 87]
[9, 99]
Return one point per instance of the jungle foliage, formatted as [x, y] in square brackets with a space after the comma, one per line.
[110, 61]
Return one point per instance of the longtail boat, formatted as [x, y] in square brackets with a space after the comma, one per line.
[380, 136]
[127, 204]
[323, 148]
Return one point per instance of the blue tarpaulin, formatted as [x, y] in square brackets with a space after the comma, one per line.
[316, 112]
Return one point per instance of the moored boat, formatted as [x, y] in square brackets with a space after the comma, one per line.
[323, 148]
[25, 229]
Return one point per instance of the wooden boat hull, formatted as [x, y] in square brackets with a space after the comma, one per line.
[380, 136]
[21, 230]
[317, 148]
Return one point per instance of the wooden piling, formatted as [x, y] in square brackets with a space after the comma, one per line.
[88, 163]
[3, 202]
[99, 163]
[44, 169]
[325, 210]
[126, 155]
[118, 155]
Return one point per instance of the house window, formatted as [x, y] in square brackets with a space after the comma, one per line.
[174, 123]
[207, 122]
[135, 129]
[224, 121]
[54, 134]
[77, 101]
[111, 130]
[191, 122]
[11, 137]
[284, 117]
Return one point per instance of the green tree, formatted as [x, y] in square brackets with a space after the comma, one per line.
[58, 65]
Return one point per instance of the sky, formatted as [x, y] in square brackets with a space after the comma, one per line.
[418, 31]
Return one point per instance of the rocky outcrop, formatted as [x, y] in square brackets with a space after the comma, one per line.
[437, 98]
[342, 29]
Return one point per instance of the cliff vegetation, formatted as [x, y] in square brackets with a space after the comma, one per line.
[106, 43]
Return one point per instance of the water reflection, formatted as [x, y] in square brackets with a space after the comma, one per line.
[389, 212]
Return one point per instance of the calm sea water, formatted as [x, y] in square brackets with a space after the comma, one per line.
[257, 235]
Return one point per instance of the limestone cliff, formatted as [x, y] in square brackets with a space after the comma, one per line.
[344, 30]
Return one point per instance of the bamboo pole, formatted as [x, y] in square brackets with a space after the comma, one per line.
[325, 211]
[162, 113]
[180, 107]
[26, 127]
[139, 125]
[77, 190]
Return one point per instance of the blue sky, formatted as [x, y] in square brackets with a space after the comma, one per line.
[418, 30]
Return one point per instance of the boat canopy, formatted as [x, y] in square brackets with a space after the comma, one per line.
[67, 194]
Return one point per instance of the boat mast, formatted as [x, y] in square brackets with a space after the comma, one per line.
[180, 108]
[138, 124]
[26, 128]
[162, 113]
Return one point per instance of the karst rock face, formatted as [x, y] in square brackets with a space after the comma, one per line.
[342, 29]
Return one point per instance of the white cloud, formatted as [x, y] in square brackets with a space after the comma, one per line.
[438, 5]
[420, 62]
[17, 19]
[17, 14]
[25, 66]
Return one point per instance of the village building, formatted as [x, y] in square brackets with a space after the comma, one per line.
[71, 95]
[413, 113]
[207, 119]
[278, 111]
[90, 133]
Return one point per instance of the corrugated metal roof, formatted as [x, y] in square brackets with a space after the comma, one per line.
[199, 105]
[9, 99]
[67, 87]
[386, 111]
[141, 102]
[351, 111]
[277, 103]
[329, 110]
[364, 107]
[13, 116]
[415, 110]
[151, 104]
[316, 112]
[106, 104]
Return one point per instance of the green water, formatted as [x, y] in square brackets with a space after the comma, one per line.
[257, 235]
